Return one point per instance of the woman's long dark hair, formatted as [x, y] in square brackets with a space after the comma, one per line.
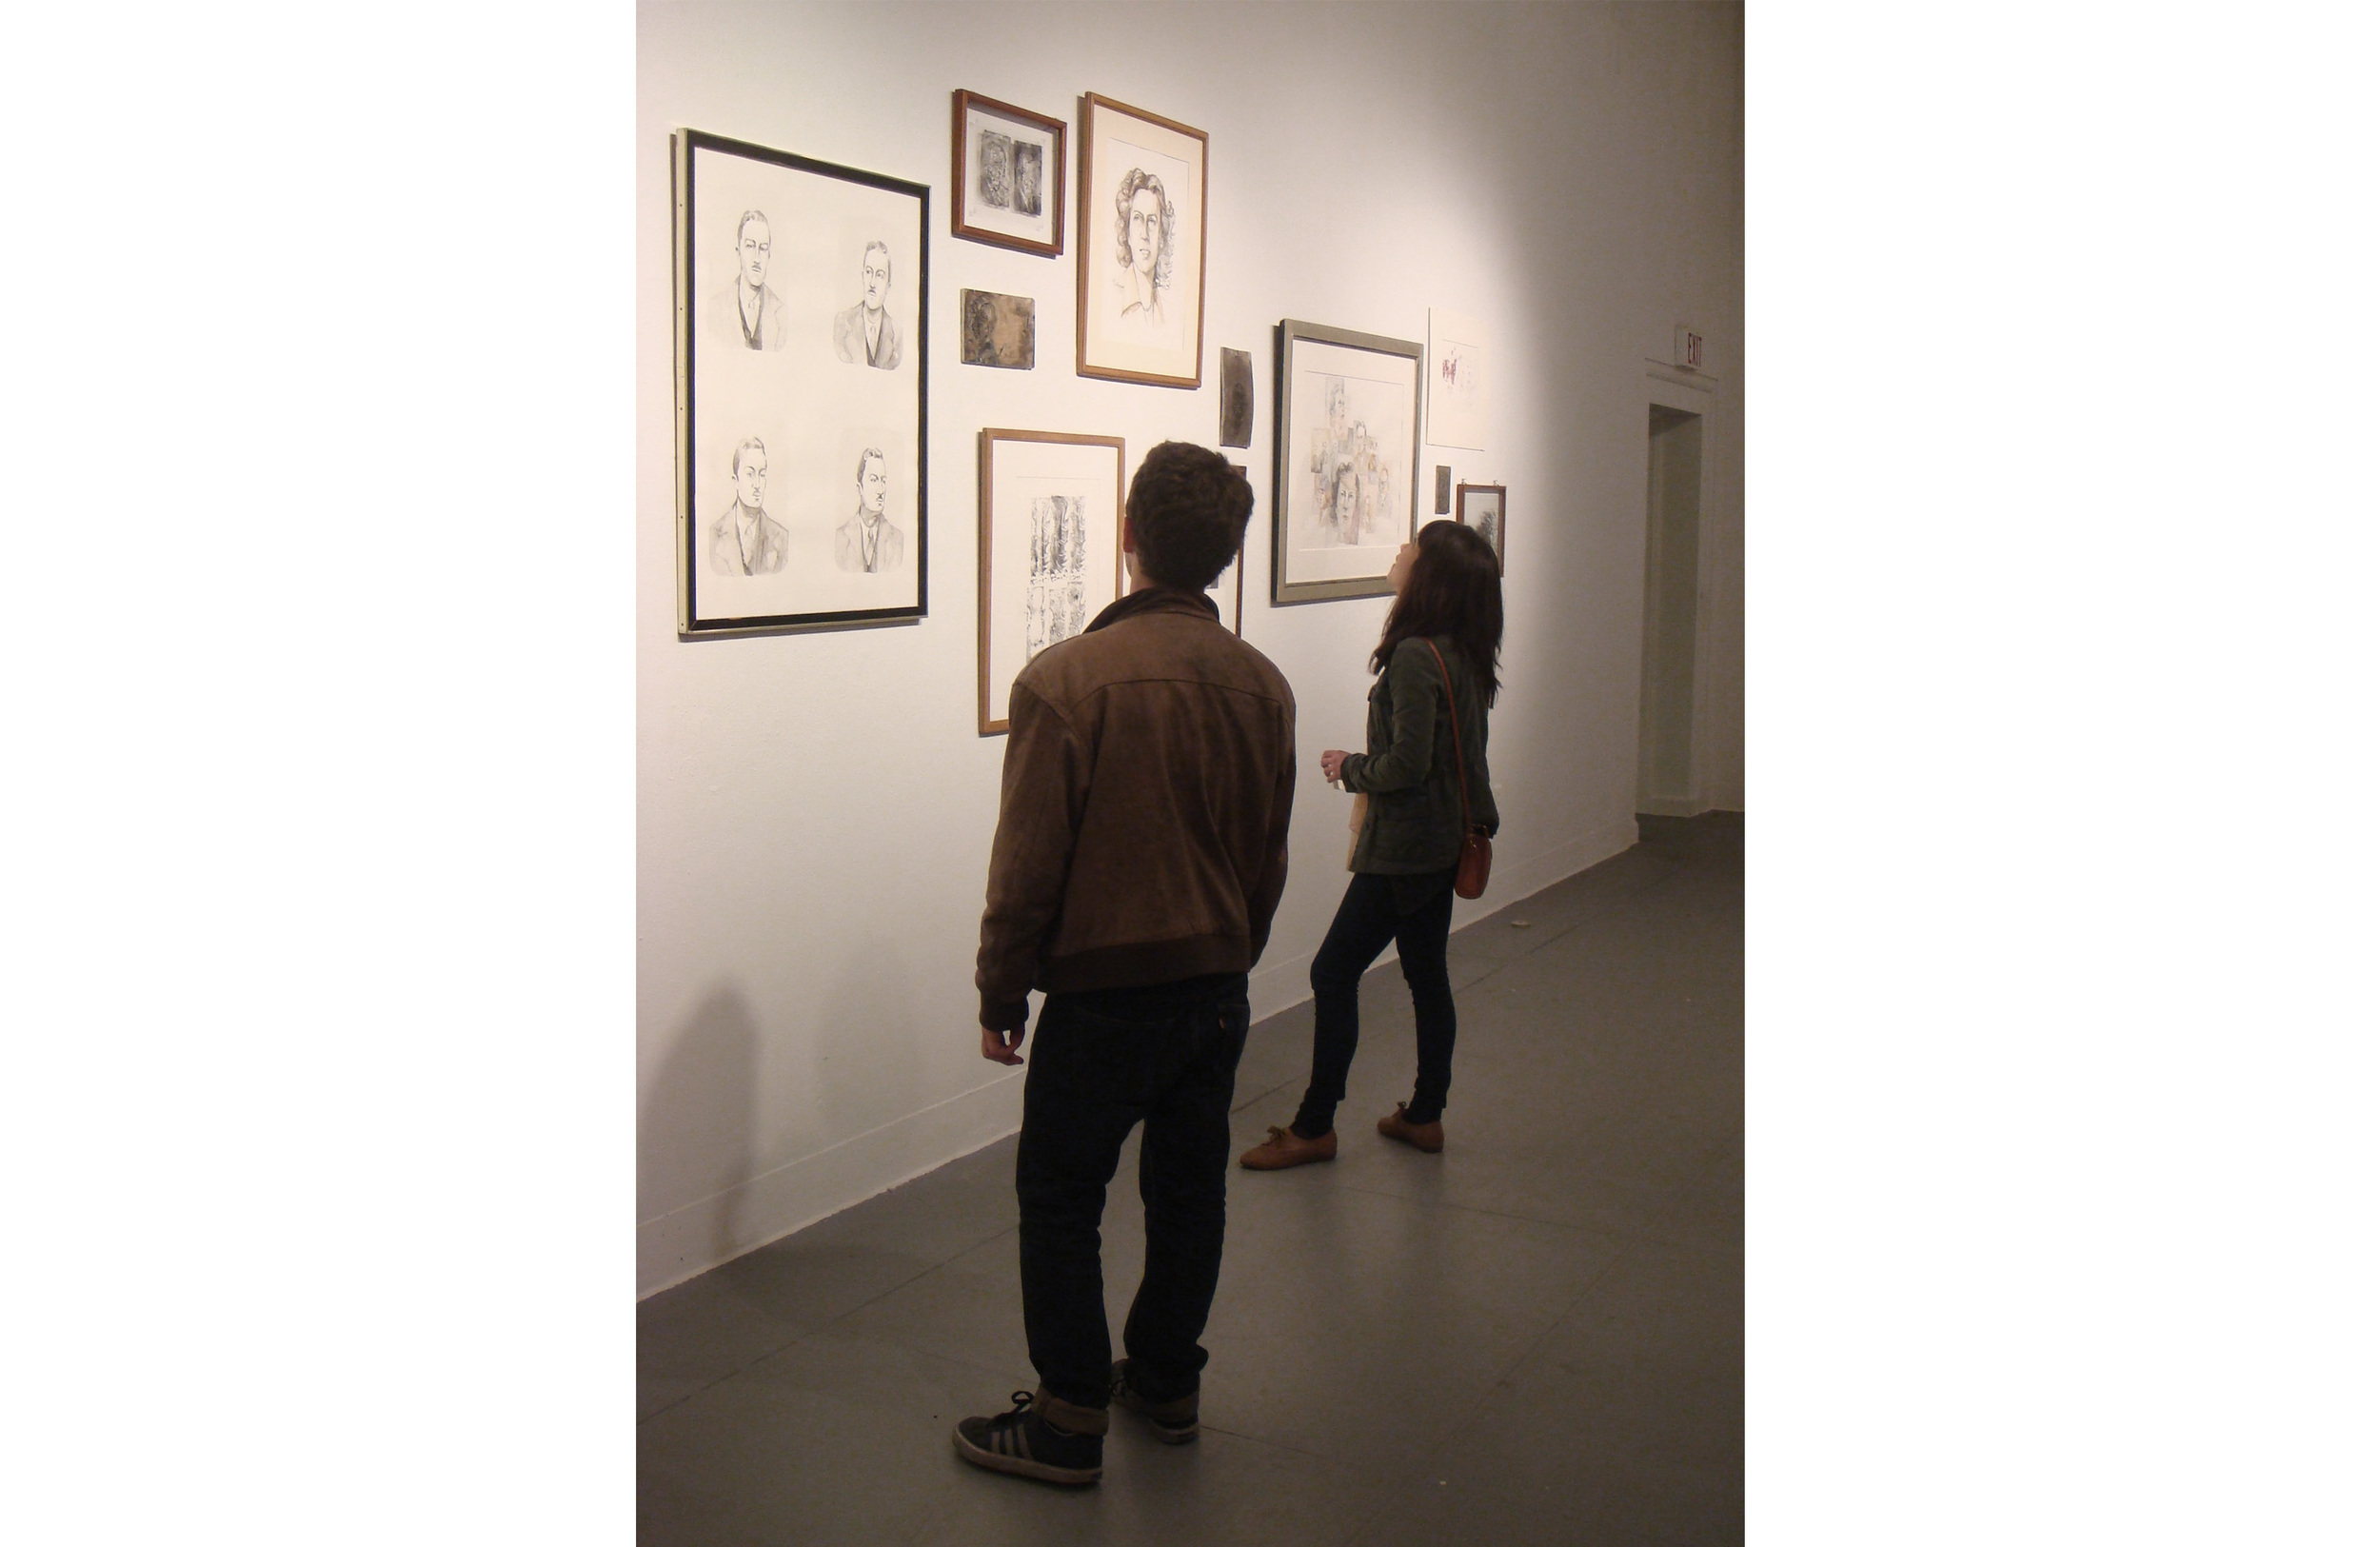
[1454, 588]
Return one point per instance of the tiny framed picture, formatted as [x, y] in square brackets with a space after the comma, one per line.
[1239, 416]
[1141, 257]
[802, 391]
[1481, 506]
[1049, 550]
[995, 329]
[1007, 175]
[1347, 462]
[1230, 591]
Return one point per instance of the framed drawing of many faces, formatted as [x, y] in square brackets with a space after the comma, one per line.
[1347, 467]
[801, 324]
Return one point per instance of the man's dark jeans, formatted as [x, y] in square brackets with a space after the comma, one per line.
[1414, 911]
[1100, 1062]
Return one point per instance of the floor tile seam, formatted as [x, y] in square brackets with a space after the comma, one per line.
[1491, 1214]
[1270, 1090]
[825, 1326]
[1595, 1280]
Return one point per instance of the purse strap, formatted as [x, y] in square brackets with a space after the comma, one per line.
[1462, 781]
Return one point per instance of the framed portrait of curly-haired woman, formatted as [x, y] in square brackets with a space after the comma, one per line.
[1140, 250]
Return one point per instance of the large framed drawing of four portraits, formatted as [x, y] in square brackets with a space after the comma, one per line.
[800, 355]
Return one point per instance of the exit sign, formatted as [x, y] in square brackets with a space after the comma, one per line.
[1689, 349]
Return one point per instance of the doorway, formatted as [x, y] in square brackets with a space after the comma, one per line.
[1673, 522]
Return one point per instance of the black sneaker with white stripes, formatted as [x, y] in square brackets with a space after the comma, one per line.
[1029, 1441]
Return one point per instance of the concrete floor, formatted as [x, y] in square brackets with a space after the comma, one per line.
[1535, 1336]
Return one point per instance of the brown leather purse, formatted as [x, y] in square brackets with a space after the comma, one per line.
[1471, 870]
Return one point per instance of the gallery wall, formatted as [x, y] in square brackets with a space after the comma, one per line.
[815, 810]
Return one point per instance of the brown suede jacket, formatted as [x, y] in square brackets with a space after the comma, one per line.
[1143, 807]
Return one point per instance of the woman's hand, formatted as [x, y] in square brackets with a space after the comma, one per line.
[1331, 762]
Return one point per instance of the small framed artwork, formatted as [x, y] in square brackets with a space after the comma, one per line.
[1457, 380]
[1141, 257]
[1230, 591]
[1347, 462]
[995, 329]
[1049, 550]
[1481, 506]
[1007, 175]
[801, 363]
[1239, 416]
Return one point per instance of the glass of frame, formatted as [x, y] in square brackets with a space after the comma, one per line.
[801, 363]
[1347, 463]
[1140, 256]
[1049, 550]
[1481, 506]
[1007, 175]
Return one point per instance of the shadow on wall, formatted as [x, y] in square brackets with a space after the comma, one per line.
[694, 1122]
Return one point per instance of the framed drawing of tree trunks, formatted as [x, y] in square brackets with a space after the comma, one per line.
[801, 320]
[1140, 255]
[1007, 175]
[1481, 506]
[1049, 550]
[1347, 462]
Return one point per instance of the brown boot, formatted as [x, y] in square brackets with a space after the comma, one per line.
[1287, 1147]
[1429, 1138]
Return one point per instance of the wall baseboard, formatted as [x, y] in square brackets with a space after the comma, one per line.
[697, 1237]
[1678, 806]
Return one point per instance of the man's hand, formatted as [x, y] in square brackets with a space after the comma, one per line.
[1330, 764]
[1001, 1046]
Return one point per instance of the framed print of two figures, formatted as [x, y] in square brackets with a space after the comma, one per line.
[800, 391]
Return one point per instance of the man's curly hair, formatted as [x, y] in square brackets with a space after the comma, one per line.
[1189, 511]
[1134, 182]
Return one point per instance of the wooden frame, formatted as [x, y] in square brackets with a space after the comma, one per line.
[1233, 607]
[1177, 340]
[1502, 513]
[1380, 387]
[987, 491]
[786, 384]
[1053, 180]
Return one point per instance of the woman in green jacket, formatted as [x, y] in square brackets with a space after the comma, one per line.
[1449, 609]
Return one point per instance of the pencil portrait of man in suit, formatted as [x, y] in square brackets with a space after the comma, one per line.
[866, 335]
[744, 541]
[748, 314]
[868, 542]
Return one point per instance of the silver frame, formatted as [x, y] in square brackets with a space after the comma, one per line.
[1286, 337]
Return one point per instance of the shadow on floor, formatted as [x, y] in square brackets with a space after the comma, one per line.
[1535, 1336]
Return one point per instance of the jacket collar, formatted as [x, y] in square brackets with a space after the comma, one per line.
[1155, 599]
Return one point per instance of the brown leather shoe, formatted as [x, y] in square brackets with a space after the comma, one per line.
[1287, 1147]
[1429, 1138]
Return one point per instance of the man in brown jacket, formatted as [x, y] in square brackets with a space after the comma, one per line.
[1142, 845]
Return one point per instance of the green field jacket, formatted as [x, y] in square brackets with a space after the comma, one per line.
[1407, 767]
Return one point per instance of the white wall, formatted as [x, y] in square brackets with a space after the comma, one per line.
[814, 812]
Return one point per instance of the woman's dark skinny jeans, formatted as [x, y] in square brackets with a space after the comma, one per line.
[1368, 920]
